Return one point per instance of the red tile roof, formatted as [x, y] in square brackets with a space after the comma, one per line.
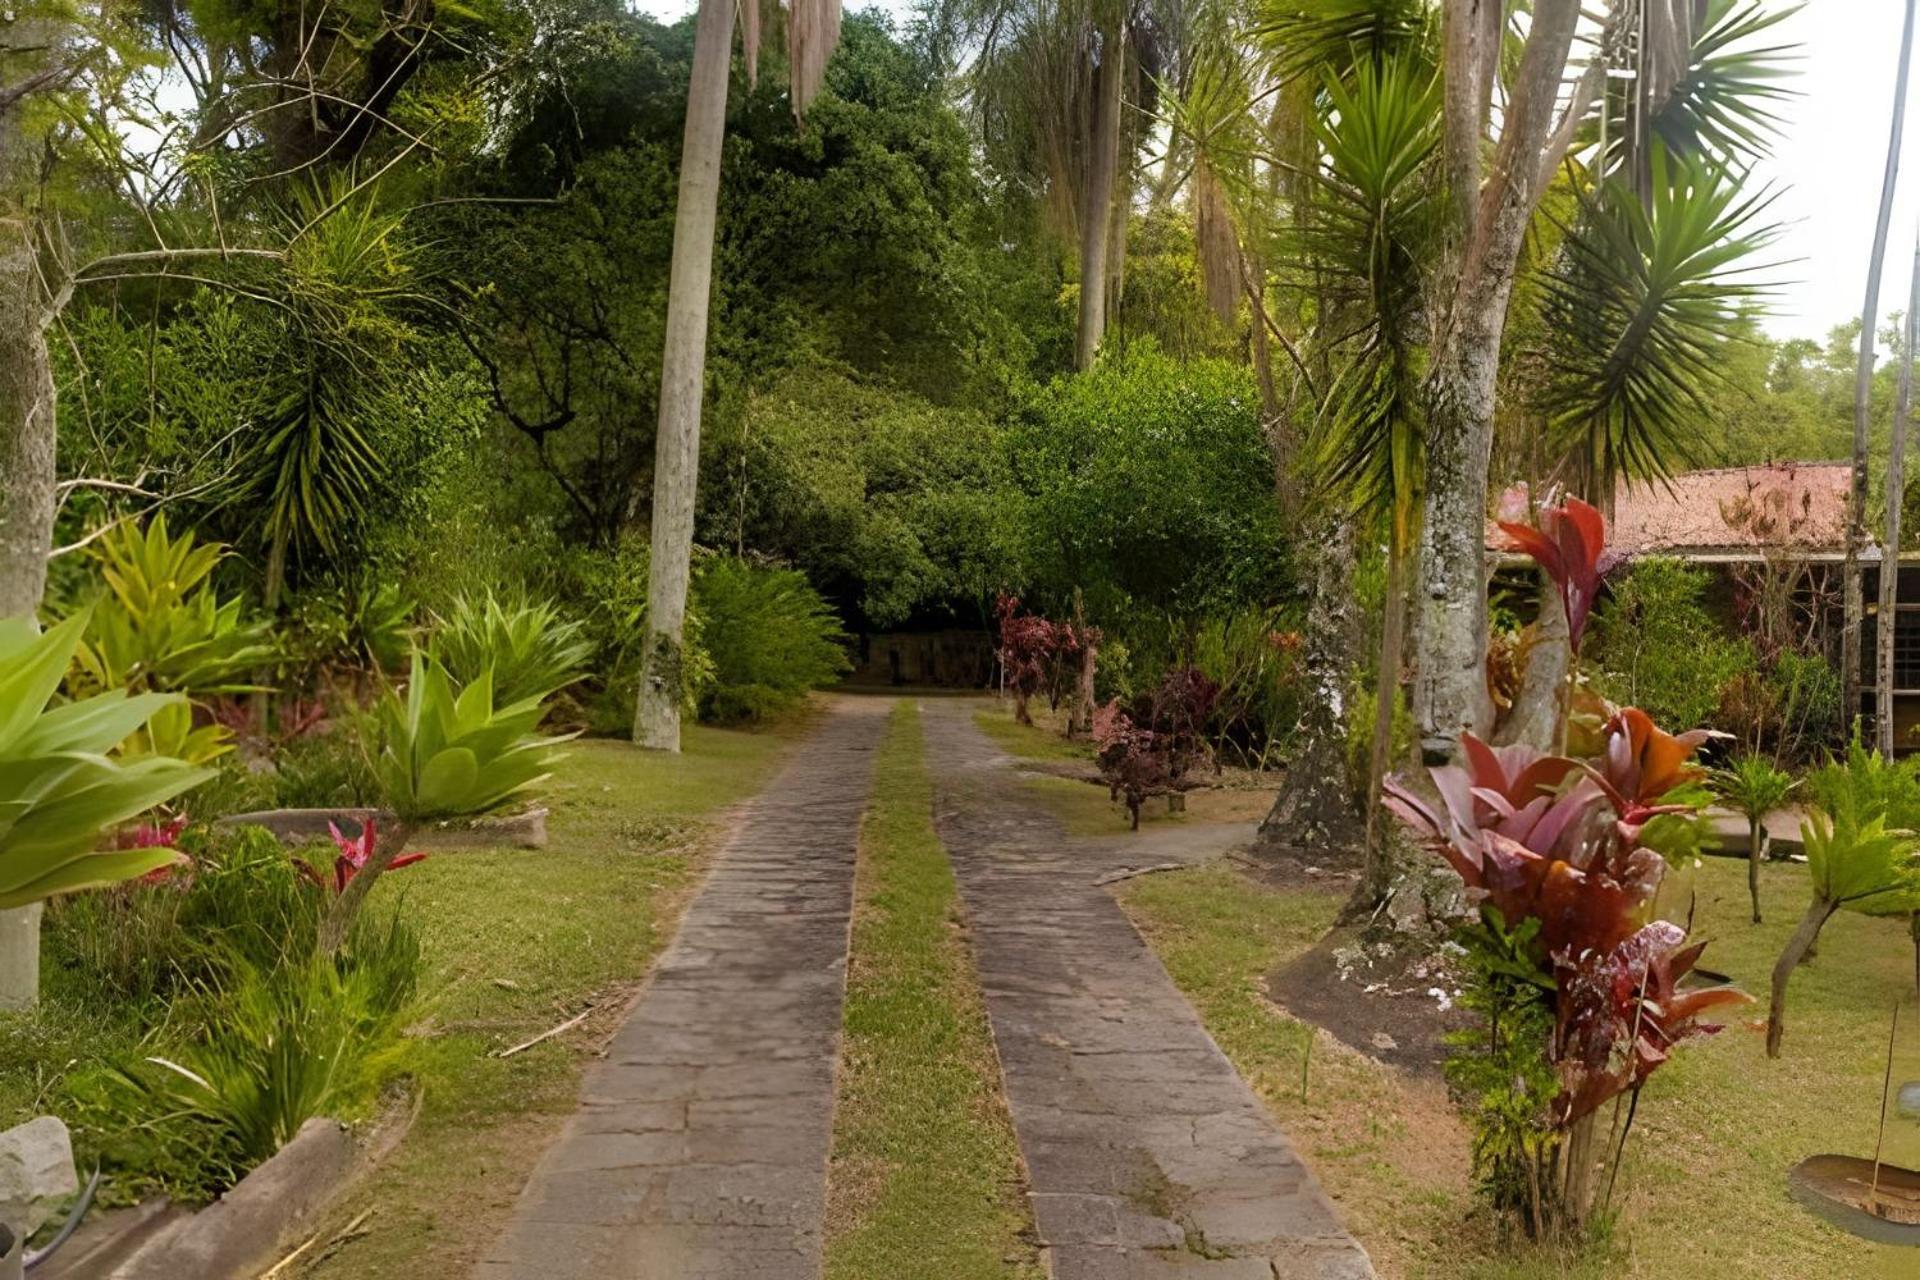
[1726, 513]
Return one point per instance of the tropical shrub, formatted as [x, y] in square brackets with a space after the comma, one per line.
[1754, 787]
[270, 1046]
[1858, 859]
[1029, 644]
[1576, 982]
[1149, 746]
[161, 626]
[529, 647]
[447, 750]
[770, 638]
[353, 626]
[1549, 847]
[64, 792]
[1657, 647]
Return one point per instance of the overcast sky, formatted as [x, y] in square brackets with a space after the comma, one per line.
[1827, 164]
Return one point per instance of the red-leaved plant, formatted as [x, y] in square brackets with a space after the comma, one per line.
[1147, 747]
[352, 856]
[1550, 848]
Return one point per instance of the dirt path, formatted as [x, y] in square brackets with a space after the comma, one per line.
[699, 1152]
[1150, 1159]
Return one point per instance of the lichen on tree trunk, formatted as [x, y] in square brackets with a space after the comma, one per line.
[1314, 812]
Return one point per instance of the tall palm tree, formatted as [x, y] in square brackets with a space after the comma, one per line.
[813, 29]
[1853, 605]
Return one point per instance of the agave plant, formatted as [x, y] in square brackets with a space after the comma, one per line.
[60, 790]
[450, 751]
[530, 650]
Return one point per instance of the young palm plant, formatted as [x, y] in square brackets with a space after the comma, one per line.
[1754, 787]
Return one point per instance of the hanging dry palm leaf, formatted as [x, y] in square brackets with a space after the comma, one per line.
[813, 29]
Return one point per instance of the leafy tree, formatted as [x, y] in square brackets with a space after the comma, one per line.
[1150, 487]
[1657, 646]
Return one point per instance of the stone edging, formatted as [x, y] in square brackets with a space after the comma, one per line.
[527, 830]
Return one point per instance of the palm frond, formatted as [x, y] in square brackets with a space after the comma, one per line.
[1638, 311]
[1335, 36]
[1723, 103]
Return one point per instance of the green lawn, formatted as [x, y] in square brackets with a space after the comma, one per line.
[516, 942]
[1704, 1188]
[925, 1177]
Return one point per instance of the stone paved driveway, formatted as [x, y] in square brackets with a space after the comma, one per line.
[1150, 1159]
[699, 1151]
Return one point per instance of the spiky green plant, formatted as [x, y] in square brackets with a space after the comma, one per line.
[60, 790]
[1754, 786]
[530, 649]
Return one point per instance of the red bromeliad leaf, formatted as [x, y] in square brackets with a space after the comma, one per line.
[354, 854]
[1567, 544]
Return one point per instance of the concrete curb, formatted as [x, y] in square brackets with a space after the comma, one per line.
[526, 830]
[269, 1211]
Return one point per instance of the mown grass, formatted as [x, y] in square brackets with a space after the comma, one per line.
[925, 1178]
[1704, 1189]
[516, 942]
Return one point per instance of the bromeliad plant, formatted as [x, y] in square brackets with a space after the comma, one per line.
[161, 627]
[1579, 983]
[61, 792]
[450, 750]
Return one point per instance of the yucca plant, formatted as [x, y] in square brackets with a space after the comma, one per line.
[450, 750]
[530, 649]
[1754, 787]
[60, 790]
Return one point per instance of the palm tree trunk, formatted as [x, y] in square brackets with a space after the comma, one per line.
[1314, 811]
[1096, 208]
[1853, 603]
[1888, 626]
[1819, 911]
[656, 719]
[1756, 851]
[1540, 707]
[1450, 696]
[27, 438]
[1386, 690]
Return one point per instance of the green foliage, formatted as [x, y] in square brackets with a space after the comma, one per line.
[894, 506]
[770, 636]
[1150, 485]
[62, 792]
[530, 649]
[161, 625]
[1656, 646]
[353, 624]
[1361, 706]
[1643, 297]
[1499, 1067]
[1863, 785]
[1861, 865]
[1753, 785]
[331, 770]
[277, 1046]
[450, 750]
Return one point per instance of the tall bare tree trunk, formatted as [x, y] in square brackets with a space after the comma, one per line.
[1313, 814]
[1853, 601]
[1798, 948]
[27, 439]
[1540, 705]
[1888, 626]
[1096, 208]
[656, 719]
[1450, 696]
[1393, 618]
